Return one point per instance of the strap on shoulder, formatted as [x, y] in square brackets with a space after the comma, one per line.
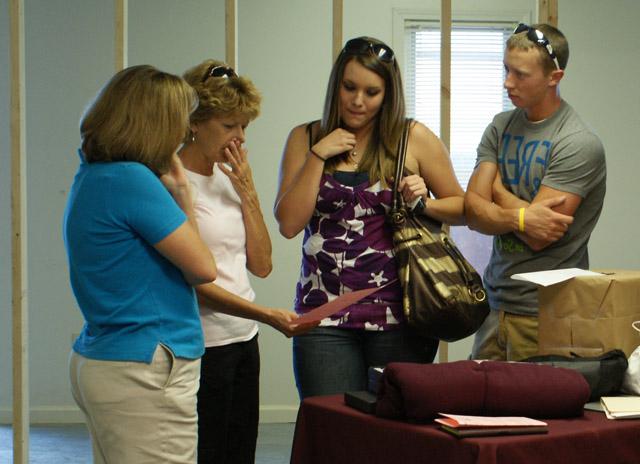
[309, 129]
[400, 160]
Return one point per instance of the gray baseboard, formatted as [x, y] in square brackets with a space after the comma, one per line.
[269, 414]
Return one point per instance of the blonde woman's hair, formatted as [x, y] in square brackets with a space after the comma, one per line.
[221, 96]
[141, 114]
[380, 154]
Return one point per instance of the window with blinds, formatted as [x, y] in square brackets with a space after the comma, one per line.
[477, 94]
[477, 74]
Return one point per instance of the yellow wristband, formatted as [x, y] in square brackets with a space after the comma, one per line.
[521, 220]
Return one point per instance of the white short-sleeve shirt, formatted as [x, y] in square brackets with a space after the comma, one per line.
[219, 217]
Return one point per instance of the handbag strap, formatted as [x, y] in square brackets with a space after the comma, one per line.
[309, 130]
[398, 201]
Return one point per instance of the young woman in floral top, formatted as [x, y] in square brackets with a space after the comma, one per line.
[335, 184]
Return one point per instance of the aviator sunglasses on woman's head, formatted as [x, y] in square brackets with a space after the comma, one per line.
[537, 37]
[361, 46]
[219, 71]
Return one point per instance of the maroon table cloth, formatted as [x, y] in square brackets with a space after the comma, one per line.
[329, 432]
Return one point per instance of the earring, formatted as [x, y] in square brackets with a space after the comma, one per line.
[193, 137]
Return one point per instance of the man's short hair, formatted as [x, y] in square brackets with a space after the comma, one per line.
[556, 39]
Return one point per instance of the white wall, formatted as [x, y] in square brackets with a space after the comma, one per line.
[602, 85]
[288, 56]
[174, 36]
[59, 82]
[285, 47]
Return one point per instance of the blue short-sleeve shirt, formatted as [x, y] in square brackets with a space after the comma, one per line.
[131, 297]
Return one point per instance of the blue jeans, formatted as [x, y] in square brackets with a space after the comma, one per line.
[330, 360]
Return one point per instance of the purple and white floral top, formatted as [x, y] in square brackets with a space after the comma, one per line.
[348, 246]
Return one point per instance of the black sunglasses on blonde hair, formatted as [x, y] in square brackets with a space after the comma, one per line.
[361, 46]
[537, 37]
[219, 71]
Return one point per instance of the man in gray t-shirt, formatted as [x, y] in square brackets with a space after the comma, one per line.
[538, 187]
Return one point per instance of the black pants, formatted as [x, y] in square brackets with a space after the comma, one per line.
[228, 403]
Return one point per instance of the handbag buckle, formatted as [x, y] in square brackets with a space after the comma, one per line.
[397, 217]
[477, 292]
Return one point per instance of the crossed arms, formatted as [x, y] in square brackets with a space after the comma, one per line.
[493, 210]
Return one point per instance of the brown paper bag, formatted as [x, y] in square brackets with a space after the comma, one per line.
[590, 315]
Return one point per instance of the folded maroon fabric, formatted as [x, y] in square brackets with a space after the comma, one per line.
[418, 392]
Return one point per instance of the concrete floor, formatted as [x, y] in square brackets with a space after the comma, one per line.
[70, 444]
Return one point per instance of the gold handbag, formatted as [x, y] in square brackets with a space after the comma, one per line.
[443, 296]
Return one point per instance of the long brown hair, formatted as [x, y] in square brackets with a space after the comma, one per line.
[380, 154]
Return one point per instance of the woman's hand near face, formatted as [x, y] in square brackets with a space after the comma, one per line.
[240, 173]
[258, 246]
[300, 174]
[177, 183]
[335, 143]
[184, 247]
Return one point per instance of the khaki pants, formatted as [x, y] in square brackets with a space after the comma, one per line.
[137, 412]
[506, 337]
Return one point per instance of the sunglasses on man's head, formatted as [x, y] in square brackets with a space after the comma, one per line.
[362, 46]
[219, 71]
[537, 37]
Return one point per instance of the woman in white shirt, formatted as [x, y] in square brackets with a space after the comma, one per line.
[231, 224]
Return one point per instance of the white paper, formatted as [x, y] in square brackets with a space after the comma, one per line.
[546, 278]
[621, 407]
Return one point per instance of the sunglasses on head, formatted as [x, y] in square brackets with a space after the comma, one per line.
[363, 46]
[219, 71]
[537, 37]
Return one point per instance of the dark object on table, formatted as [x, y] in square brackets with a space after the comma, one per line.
[361, 400]
[603, 373]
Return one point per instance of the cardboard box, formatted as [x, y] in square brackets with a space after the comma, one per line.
[588, 313]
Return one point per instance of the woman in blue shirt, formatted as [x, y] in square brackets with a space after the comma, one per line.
[134, 253]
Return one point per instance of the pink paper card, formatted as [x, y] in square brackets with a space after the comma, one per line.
[336, 305]
[458, 421]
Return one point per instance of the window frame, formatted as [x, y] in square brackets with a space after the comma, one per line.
[401, 15]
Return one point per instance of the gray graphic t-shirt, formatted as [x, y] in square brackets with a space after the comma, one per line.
[563, 153]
